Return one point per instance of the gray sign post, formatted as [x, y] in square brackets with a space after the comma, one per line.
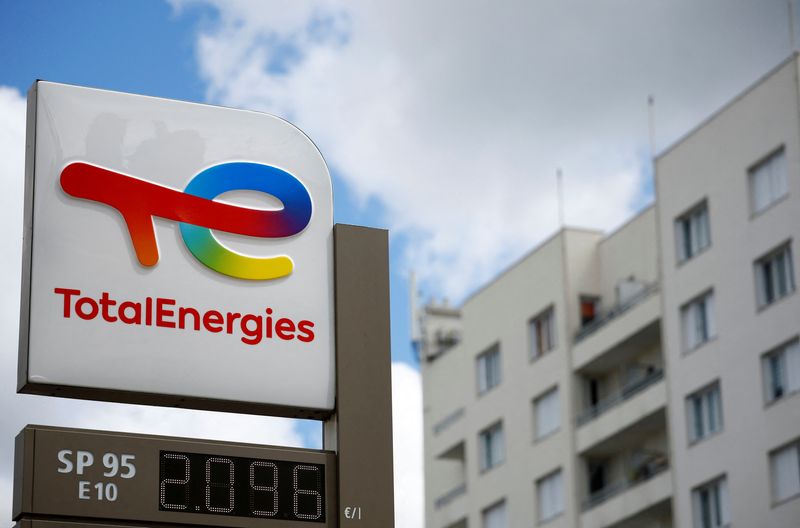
[360, 431]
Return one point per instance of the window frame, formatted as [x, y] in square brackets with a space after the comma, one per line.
[549, 315]
[485, 464]
[751, 171]
[680, 240]
[541, 436]
[483, 373]
[767, 371]
[710, 323]
[707, 485]
[492, 506]
[691, 416]
[558, 472]
[771, 256]
[789, 445]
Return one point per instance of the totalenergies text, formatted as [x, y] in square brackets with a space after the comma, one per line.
[164, 312]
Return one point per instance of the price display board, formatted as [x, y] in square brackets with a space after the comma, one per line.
[151, 479]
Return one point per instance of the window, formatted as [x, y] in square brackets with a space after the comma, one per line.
[495, 516]
[492, 448]
[542, 329]
[784, 466]
[710, 504]
[546, 412]
[768, 181]
[697, 317]
[550, 495]
[692, 233]
[489, 369]
[774, 275]
[704, 410]
[781, 369]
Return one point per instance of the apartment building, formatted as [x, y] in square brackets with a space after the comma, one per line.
[649, 377]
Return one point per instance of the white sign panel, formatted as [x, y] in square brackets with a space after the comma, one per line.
[175, 249]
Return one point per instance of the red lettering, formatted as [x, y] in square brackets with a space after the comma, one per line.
[269, 323]
[252, 335]
[182, 318]
[306, 334]
[106, 303]
[232, 317]
[213, 317]
[93, 308]
[252, 328]
[162, 312]
[67, 293]
[136, 318]
[285, 329]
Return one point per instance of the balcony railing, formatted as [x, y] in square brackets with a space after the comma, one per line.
[450, 496]
[448, 420]
[628, 391]
[609, 315]
[639, 475]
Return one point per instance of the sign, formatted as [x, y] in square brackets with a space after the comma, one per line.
[152, 479]
[175, 254]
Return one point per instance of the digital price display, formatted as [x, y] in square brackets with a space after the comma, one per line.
[146, 480]
[244, 487]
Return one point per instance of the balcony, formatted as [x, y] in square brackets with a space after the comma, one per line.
[448, 420]
[627, 473]
[620, 332]
[450, 496]
[447, 481]
[609, 315]
[643, 409]
[638, 501]
[450, 508]
[627, 392]
[642, 473]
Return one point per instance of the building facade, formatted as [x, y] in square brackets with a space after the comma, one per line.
[649, 377]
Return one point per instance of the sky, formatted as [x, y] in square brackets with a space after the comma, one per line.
[444, 122]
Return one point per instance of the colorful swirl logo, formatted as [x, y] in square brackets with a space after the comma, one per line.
[138, 201]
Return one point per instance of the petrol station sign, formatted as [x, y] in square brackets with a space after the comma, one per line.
[184, 255]
[175, 250]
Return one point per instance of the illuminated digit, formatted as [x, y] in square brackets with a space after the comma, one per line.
[315, 493]
[267, 489]
[183, 482]
[210, 485]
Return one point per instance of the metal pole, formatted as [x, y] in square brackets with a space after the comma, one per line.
[361, 430]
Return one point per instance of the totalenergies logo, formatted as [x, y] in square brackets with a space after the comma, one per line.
[138, 201]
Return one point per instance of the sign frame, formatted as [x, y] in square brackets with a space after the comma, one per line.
[29, 386]
[36, 489]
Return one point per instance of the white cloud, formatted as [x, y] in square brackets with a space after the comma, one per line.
[455, 115]
[407, 431]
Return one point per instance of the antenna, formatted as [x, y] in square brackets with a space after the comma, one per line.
[651, 119]
[413, 301]
[790, 6]
[560, 190]
[651, 123]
